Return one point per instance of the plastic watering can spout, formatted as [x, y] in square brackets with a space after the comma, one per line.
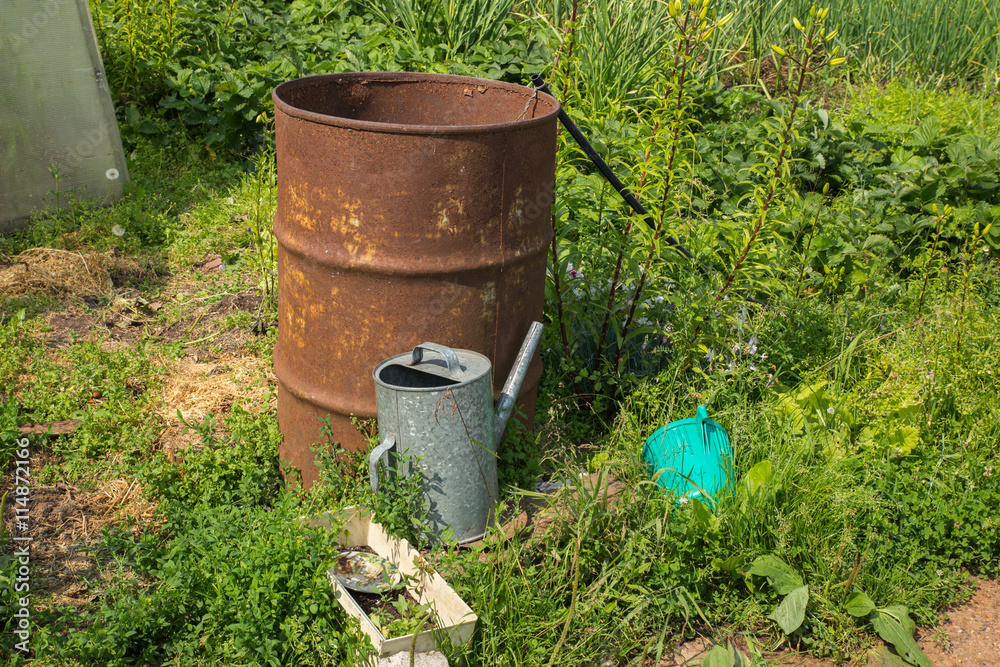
[505, 404]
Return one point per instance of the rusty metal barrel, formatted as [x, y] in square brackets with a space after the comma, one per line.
[411, 208]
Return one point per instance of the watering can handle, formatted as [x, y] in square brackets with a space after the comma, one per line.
[450, 358]
[373, 460]
[702, 417]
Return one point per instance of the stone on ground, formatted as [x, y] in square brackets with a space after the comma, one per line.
[431, 659]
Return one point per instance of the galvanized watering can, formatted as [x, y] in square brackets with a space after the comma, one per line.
[435, 412]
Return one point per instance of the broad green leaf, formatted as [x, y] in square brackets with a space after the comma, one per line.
[757, 477]
[877, 241]
[811, 395]
[701, 514]
[883, 657]
[792, 610]
[893, 624]
[858, 605]
[903, 438]
[731, 564]
[717, 657]
[782, 578]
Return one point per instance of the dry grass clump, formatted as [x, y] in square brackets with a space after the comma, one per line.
[199, 388]
[196, 389]
[58, 273]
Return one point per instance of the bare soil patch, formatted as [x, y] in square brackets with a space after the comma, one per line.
[67, 324]
[139, 276]
[129, 317]
[382, 605]
[200, 324]
[245, 301]
[66, 523]
[971, 634]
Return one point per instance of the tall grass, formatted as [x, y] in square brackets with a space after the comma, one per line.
[616, 44]
[458, 24]
[934, 40]
[930, 40]
[136, 37]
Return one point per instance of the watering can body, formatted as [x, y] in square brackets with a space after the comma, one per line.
[436, 413]
[691, 457]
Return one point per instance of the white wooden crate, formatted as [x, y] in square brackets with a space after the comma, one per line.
[454, 619]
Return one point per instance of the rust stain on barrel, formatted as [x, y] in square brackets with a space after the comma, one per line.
[408, 211]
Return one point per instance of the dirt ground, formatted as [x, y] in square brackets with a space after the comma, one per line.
[971, 634]
[66, 523]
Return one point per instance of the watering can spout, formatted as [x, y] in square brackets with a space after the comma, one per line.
[505, 404]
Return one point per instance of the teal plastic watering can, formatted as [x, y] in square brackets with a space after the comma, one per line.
[691, 457]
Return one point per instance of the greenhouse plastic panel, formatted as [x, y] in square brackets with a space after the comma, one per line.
[56, 114]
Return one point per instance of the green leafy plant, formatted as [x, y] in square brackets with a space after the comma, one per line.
[413, 618]
[810, 57]
[400, 505]
[892, 623]
[261, 217]
[791, 612]
[971, 245]
[725, 655]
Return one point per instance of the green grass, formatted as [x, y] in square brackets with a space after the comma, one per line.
[859, 398]
[906, 103]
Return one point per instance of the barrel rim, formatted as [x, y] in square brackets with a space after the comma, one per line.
[402, 128]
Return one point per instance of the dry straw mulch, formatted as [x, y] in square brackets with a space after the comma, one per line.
[196, 389]
[58, 273]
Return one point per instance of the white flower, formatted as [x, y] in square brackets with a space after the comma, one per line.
[830, 410]
[111, 174]
[118, 230]
[939, 573]
[683, 500]
[752, 345]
